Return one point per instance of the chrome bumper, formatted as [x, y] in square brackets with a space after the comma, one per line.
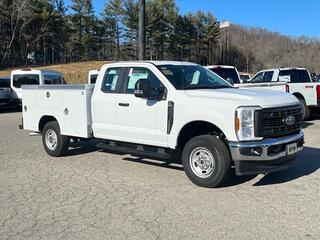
[245, 151]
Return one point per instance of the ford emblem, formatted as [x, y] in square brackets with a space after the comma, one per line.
[290, 120]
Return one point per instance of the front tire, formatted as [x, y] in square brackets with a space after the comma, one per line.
[305, 110]
[206, 161]
[55, 144]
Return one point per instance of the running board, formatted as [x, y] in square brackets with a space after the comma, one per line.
[136, 149]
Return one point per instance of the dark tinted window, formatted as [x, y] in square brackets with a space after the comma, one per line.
[229, 74]
[4, 82]
[267, 76]
[294, 76]
[53, 79]
[93, 78]
[244, 77]
[25, 79]
[192, 77]
[111, 80]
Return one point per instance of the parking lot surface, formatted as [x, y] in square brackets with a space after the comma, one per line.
[92, 194]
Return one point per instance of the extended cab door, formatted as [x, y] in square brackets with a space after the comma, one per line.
[141, 120]
[104, 103]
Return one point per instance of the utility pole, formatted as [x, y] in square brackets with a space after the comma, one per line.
[142, 30]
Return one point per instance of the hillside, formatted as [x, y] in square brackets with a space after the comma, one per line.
[73, 72]
[271, 49]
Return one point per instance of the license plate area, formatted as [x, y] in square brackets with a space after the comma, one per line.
[292, 149]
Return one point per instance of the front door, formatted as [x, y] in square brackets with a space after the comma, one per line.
[141, 120]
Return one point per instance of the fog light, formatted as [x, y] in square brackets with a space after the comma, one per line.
[255, 151]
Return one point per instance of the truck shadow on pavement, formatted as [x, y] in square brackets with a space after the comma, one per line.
[307, 163]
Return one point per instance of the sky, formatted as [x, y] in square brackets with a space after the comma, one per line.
[289, 17]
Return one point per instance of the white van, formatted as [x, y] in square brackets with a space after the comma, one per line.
[29, 76]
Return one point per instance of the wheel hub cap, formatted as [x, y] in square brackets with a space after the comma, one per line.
[202, 162]
[51, 139]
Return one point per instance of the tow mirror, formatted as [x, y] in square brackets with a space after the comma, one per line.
[142, 88]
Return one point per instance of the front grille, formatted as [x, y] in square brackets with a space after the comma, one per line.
[271, 122]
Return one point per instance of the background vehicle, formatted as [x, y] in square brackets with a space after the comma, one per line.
[33, 77]
[164, 108]
[244, 77]
[296, 81]
[92, 76]
[229, 73]
[6, 98]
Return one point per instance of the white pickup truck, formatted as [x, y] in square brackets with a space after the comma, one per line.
[160, 108]
[29, 76]
[296, 81]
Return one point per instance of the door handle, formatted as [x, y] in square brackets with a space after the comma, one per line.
[123, 104]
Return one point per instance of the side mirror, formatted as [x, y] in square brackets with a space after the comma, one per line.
[142, 88]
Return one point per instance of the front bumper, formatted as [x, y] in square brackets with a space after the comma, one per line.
[265, 156]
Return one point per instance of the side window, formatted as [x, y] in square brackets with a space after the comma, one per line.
[25, 79]
[258, 78]
[285, 76]
[110, 80]
[267, 77]
[137, 73]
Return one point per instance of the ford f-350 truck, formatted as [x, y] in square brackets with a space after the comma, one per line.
[160, 108]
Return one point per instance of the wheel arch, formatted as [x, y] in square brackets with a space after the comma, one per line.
[196, 128]
[298, 95]
[44, 120]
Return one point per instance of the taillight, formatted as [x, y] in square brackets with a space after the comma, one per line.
[287, 88]
[318, 92]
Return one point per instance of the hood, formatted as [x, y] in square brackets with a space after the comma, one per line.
[247, 97]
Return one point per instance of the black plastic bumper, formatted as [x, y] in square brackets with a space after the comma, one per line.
[263, 167]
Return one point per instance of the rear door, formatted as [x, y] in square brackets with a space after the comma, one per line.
[104, 103]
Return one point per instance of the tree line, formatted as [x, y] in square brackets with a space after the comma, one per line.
[47, 31]
[42, 32]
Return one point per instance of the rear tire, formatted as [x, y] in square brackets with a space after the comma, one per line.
[305, 110]
[55, 144]
[206, 161]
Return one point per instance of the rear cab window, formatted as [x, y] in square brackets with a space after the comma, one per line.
[294, 76]
[112, 80]
[229, 74]
[93, 78]
[25, 79]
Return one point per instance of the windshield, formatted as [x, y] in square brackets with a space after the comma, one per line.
[53, 79]
[192, 77]
[229, 74]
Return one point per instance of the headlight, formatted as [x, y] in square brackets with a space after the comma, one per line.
[244, 123]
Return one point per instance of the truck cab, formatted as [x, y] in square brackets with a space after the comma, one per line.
[29, 76]
[168, 109]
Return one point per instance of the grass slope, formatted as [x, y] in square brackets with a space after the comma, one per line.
[73, 72]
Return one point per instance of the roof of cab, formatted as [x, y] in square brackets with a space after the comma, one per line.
[220, 66]
[284, 68]
[37, 71]
[157, 63]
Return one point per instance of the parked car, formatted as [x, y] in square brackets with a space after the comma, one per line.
[6, 98]
[293, 80]
[229, 73]
[92, 76]
[161, 108]
[244, 77]
[29, 76]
